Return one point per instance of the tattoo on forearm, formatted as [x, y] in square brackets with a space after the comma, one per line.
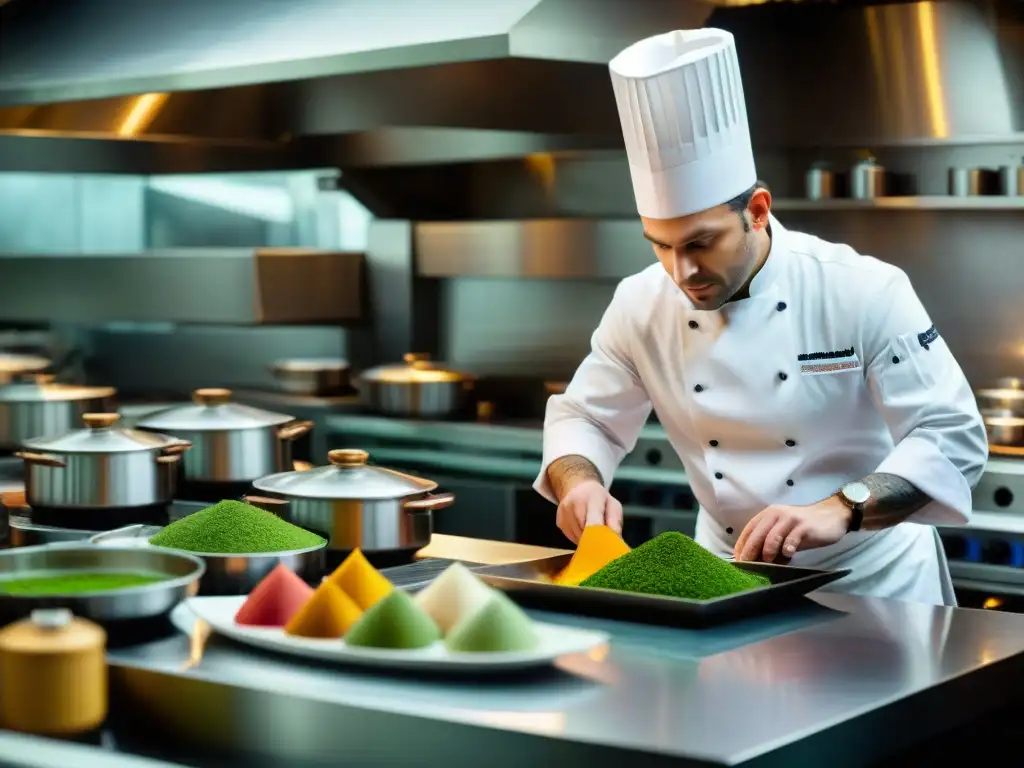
[566, 473]
[893, 500]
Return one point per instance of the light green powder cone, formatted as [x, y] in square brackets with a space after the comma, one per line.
[394, 622]
[500, 625]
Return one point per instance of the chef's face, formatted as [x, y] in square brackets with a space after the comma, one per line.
[713, 255]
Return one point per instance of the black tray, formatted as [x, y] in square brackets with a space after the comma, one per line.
[524, 583]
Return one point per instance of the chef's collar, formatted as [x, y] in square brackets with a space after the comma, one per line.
[774, 266]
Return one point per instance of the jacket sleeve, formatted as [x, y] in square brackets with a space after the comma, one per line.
[605, 405]
[923, 395]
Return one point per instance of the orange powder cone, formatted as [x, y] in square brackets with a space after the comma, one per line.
[598, 546]
[361, 581]
[328, 613]
[274, 601]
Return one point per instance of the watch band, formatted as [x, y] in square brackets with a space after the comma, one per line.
[856, 511]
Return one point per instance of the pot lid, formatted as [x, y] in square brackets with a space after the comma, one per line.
[40, 388]
[311, 365]
[100, 436]
[416, 368]
[348, 476]
[212, 409]
[12, 363]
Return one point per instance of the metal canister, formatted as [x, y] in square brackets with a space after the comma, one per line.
[1011, 180]
[821, 182]
[53, 674]
[867, 180]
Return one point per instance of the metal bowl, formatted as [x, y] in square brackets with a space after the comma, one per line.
[183, 572]
[225, 574]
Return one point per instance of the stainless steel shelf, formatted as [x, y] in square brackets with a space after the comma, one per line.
[229, 286]
[923, 202]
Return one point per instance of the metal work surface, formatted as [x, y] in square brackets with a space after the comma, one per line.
[770, 691]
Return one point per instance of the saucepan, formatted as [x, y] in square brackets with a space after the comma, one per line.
[1004, 427]
[101, 467]
[355, 504]
[417, 388]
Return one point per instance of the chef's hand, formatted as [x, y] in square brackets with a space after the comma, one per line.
[781, 530]
[588, 503]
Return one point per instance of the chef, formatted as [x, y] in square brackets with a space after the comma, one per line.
[816, 408]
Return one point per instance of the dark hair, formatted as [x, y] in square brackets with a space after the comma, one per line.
[740, 203]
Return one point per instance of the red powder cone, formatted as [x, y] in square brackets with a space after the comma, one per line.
[275, 600]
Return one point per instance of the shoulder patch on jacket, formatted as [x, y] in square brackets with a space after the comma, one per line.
[927, 338]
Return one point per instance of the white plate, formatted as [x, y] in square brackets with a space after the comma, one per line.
[555, 641]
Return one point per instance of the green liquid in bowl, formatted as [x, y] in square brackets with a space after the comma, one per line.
[74, 583]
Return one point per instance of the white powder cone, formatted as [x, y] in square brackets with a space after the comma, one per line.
[454, 594]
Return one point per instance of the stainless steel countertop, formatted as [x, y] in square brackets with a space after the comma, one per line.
[725, 695]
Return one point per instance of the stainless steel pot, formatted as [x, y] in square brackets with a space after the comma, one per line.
[1004, 429]
[1005, 396]
[417, 388]
[12, 365]
[33, 405]
[230, 442]
[101, 467]
[354, 504]
[312, 377]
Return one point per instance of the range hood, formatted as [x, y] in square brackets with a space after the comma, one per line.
[260, 81]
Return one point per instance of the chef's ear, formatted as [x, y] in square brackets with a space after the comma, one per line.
[760, 205]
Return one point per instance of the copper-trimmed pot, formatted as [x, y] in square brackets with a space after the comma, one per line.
[101, 467]
[33, 405]
[353, 503]
[231, 443]
[417, 388]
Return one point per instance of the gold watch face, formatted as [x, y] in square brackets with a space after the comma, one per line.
[855, 493]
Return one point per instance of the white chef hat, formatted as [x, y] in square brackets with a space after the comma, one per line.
[684, 120]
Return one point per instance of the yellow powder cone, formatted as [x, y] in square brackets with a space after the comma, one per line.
[360, 581]
[328, 613]
[598, 546]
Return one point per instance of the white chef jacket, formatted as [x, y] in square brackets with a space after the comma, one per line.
[831, 370]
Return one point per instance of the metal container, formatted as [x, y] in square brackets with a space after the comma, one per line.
[821, 183]
[1011, 180]
[1003, 397]
[1004, 430]
[101, 467]
[313, 377]
[969, 182]
[354, 504]
[182, 570]
[12, 365]
[53, 674]
[32, 405]
[231, 443]
[417, 388]
[867, 180]
[225, 574]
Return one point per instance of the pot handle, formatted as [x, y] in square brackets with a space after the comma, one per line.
[42, 459]
[175, 449]
[430, 503]
[170, 458]
[295, 430]
[266, 503]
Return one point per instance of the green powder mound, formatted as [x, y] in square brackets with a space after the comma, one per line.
[394, 622]
[76, 583]
[499, 625]
[234, 528]
[674, 565]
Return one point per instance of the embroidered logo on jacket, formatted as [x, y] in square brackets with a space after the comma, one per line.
[928, 338]
[837, 361]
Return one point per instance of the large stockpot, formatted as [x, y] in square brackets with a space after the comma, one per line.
[230, 442]
[418, 388]
[354, 504]
[33, 405]
[101, 467]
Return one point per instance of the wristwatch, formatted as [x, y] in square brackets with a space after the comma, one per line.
[855, 495]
